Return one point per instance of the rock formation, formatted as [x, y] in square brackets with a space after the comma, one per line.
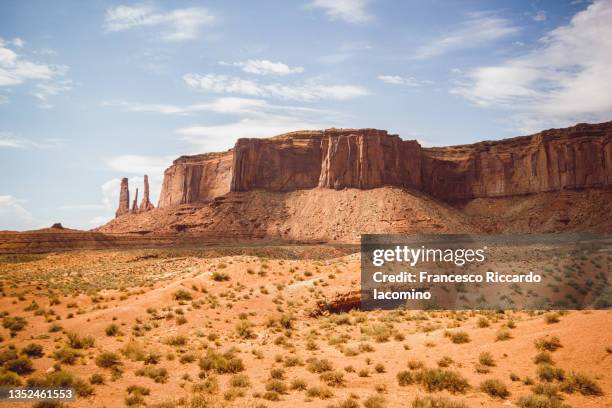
[197, 178]
[124, 198]
[146, 204]
[135, 202]
[552, 160]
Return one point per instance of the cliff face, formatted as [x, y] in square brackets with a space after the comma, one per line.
[556, 159]
[197, 178]
[552, 160]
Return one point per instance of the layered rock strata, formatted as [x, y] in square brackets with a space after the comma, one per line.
[572, 158]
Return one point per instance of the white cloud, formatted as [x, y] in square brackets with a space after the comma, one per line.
[404, 81]
[309, 91]
[352, 11]
[100, 219]
[13, 215]
[479, 29]
[8, 139]
[136, 164]
[18, 42]
[45, 89]
[15, 70]
[224, 105]
[265, 67]
[176, 25]
[222, 137]
[566, 80]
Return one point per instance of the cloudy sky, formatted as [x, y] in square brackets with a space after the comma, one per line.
[92, 91]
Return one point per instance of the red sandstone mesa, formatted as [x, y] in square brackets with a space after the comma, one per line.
[553, 160]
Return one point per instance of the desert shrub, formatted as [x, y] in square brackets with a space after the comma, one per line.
[182, 294]
[543, 357]
[178, 340]
[220, 276]
[347, 403]
[459, 337]
[271, 396]
[187, 358]
[548, 389]
[96, 379]
[546, 372]
[582, 383]
[77, 342]
[14, 324]
[66, 355]
[33, 350]
[157, 374]
[64, 379]
[540, 401]
[380, 332]
[244, 329]
[379, 368]
[444, 362]
[8, 354]
[138, 390]
[277, 386]
[503, 335]
[240, 381]
[404, 378]
[298, 384]
[486, 359]
[333, 378]
[374, 401]
[437, 379]
[221, 363]
[494, 388]
[112, 330]
[320, 392]
[483, 322]
[277, 373]
[551, 318]
[109, 359]
[9, 379]
[209, 386]
[319, 366]
[436, 402]
[54, 328]
[134, 351]
[548, 343]
[415, 364]
[20, 365]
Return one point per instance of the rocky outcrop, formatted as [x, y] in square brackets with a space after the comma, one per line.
[197, 178]
[135, 202]
[553, 160]
[146, 204]
[124, 198]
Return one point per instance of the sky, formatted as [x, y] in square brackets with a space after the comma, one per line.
[93, 91]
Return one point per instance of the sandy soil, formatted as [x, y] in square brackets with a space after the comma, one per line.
[174, 309]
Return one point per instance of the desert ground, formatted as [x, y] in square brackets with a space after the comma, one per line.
[254, 326]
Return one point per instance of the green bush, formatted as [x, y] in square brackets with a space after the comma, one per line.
[436, 379]
[582, 384]
[436, 402]
[182, 294]
[404, 378]
[494, 388]
[20, 365]
[33, 350]
[221, 363]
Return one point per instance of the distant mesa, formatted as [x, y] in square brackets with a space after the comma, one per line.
[57, 225]
[573, 158]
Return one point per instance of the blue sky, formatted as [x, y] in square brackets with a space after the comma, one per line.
[92, 91]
